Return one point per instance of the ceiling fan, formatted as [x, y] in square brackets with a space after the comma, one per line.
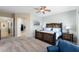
[42, 9]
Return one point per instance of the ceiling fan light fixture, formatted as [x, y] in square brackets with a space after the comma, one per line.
[43, 10]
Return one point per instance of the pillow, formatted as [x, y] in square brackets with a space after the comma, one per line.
[56, 29]
[47, 29]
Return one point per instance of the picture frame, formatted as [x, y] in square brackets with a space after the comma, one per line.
[36, 23]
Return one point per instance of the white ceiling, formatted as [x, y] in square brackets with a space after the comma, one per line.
[30, 9]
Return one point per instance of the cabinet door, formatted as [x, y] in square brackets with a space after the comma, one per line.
[68, 37]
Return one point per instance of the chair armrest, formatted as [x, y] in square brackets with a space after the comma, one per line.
[53, 49]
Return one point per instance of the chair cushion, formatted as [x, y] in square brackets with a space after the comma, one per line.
[52, 49]
[66, 46]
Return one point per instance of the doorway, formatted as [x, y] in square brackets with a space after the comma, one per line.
[6, 27]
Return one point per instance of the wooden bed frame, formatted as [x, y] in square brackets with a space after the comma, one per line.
[48, 37]
[54, 25]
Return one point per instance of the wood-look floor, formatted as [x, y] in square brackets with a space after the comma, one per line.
[22, 44]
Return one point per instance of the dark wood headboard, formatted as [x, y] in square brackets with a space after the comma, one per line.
[54, 25]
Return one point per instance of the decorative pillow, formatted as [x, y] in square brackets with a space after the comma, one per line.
[56, 29]
[47, 29]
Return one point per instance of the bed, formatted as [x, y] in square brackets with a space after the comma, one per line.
[49, 36]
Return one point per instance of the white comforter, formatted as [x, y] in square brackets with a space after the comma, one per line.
[58, 34]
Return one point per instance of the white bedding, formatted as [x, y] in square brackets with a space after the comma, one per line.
[58, 34]
[48, 32]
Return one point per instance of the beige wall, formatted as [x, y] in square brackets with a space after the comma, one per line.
[5, 14]
[27, 23]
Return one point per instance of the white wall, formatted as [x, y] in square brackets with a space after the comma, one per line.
[77, 24]
[35, 17]
[19, 22]
[67, 18]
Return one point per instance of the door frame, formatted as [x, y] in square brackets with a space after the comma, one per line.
[0, 30]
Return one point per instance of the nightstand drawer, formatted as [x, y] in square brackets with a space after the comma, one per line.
[68, 37]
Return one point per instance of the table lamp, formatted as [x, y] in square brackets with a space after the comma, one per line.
[68, 28]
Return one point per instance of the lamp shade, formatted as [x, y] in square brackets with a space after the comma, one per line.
[44, 26]
[68, 27]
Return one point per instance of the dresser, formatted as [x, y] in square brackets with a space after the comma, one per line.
[68, 36]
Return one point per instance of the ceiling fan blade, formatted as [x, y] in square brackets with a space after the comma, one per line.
[36, 8]
[43, 12]
[37, 11]
[43, 7]
[48, 10]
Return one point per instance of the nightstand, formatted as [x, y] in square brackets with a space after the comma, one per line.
[67, 36]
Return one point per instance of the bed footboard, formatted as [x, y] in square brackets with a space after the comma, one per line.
[46, 37]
